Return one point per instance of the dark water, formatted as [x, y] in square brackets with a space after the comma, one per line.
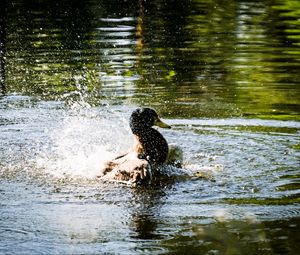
[224, 74]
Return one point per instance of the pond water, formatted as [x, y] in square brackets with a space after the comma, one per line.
[224, 74]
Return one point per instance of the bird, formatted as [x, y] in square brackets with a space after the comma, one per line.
[150, 149]
[149, 143]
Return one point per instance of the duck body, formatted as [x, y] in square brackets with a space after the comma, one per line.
[150, 145]
[150, 149]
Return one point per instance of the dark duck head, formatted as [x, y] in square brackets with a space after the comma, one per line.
[149, 143]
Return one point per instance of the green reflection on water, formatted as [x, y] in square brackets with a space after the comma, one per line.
[236, 237]
[188, 59]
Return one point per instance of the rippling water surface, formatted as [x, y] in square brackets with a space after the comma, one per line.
[224, 74]
[239, 177]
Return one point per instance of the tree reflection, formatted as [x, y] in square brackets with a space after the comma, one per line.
[188, 58]
[2, 45]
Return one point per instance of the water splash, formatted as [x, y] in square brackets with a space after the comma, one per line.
[85, 139]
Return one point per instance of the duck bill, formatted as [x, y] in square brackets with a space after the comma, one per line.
[158, 122]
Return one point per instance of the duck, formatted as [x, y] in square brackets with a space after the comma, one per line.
[150, 150]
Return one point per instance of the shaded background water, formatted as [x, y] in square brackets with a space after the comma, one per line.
[225, 74]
